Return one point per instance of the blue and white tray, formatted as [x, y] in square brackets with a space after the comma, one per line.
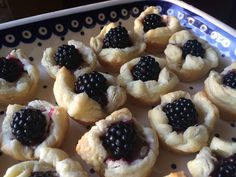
[35, 34]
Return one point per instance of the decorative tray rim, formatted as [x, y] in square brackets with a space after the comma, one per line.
[95, 6]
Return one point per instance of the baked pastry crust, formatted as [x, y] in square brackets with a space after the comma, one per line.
[91, 150]
[24, 88]
[80, 106]
[222, 96]
[204, 163]
[156, 39]
[194, 137]
[57, 130]
[88, 56]
[176, 174]
[49, 160]
[191, 68]
[148, 92]
[113, 58]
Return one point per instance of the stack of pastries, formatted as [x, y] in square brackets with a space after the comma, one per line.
[117, 145]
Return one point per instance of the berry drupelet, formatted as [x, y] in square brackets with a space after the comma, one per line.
[120, 140]
[152, 21]
[44, 174]
[68, 56]
[227, 167]
[117, 37]
[11, 69]
[194, 48]
[230, 79]
[95, 85]
[146, 69]
[29, 126]
[181, 114]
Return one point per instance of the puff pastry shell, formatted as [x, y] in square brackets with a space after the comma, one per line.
[88, 56]
[113, 58]
[80, 106]
[191, 68]
[49, 160]
[176, 174]
[57, 121]
[24, 88]
[223, 97]
[156, 39]
[91, 150]
[205, 161]
[194, 137]
[148, 92]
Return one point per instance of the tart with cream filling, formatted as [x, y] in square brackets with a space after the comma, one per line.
[184, 123]
[190, 57]
[218, 160]
[119, 146]
[75, 56]
[155, 29]
[146, 78]
[115, 46]
[52, 163]
[18, 78]
[26, 129]
[88, 97]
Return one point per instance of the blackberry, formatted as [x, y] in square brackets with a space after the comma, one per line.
[120, 140]
[181, 114]
[117, 37]
[227, 167]
[230, 79]
[152, 21]
[68, 56]
[146, 69]
[44, 174]
[11, 69]
[194, 48]
[95, 85]
[29, 126]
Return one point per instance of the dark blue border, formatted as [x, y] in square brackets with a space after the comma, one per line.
[59, 26]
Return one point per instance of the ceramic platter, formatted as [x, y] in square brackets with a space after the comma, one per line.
[35, 34]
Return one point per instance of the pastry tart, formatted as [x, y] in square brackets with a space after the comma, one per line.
[52, 163]
[146, 78]
[26, 129]
[119, 146]
[155, 29]
[75, 56]
[176, 174]
[190, 57]
[184, 124]
[18, 78]
[221, 90]
[114, 46]
[88, 97]
[219, 160]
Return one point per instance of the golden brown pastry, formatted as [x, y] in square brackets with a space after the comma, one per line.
[218, 160]
[52, 162]
[190, 57]
[221, 90]
[184, 124]
[90, 96]
[18, 79]
[176, 174]
[156, 29]
[133, 154]
[146, 78]
[26, 129]
[115, 46]
[75, 56]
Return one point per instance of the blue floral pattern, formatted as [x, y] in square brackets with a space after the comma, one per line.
[59, 26]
